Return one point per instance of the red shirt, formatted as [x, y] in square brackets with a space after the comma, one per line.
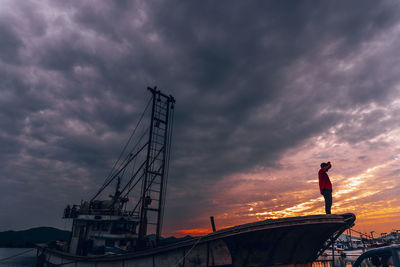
[324, 182]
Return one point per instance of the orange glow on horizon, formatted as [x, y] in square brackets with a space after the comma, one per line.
[193, 232]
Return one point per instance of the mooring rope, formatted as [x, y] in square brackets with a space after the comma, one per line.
[16, 255]
[187, 253]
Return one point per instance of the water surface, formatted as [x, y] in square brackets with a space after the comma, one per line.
[27, 257]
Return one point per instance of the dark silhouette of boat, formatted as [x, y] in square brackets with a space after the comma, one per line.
[125, 230]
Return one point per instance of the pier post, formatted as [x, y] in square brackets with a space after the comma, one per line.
[212, 223]
[333, 251]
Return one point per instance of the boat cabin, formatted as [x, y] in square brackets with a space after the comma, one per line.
[100, 227]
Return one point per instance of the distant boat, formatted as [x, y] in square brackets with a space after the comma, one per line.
[125, 230]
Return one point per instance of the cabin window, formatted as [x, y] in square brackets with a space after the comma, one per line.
[76, 231]
[122, 242]
[128, 227]
[119, 228]
[110, 243]
[96, 227]
[101, 227]
[123, 228]
[105, 226]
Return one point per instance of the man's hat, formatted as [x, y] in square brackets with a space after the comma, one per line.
[323, 164]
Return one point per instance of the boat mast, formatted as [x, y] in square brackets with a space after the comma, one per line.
[141, 172]
[156, 167]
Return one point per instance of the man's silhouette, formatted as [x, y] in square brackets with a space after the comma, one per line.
[325, 185]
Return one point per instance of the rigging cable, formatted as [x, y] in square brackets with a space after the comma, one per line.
[133, 176]
[190, 250]
[128, 157]
[118, 172]
[127, 143]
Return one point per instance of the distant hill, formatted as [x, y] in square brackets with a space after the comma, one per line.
[26, 238]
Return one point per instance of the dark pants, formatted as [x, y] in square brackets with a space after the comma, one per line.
[328, 200]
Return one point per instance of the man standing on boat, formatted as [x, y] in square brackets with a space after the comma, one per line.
[325, 185]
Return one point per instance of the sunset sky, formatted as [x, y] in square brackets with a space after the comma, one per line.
[265, 90]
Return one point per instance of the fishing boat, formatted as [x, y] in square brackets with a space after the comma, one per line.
[121, 224]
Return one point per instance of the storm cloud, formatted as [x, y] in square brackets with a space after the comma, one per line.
[252, 81]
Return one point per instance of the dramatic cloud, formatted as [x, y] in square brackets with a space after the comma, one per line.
[265, 92]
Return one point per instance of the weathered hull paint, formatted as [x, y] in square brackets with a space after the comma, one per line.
[283, 242]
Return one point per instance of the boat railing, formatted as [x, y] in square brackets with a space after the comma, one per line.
[75, 212]
[104, 212]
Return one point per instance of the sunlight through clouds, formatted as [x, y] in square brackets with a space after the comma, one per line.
[357, 193]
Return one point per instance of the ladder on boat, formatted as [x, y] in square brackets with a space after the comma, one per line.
[156, 169]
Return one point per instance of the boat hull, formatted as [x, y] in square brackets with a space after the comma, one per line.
[281, 242]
